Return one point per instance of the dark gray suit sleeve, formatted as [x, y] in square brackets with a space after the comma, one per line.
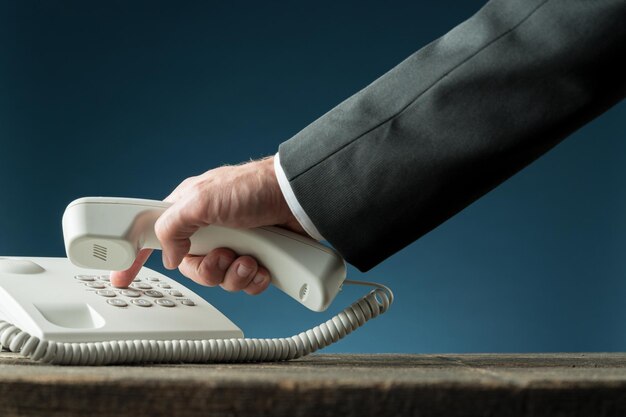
[454, 120]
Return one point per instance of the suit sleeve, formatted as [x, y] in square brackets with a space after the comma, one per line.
[454, 120]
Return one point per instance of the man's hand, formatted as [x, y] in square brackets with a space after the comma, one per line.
[243, 196]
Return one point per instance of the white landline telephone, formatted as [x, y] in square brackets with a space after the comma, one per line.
[64, 311]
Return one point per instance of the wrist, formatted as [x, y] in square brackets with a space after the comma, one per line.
[284, 215]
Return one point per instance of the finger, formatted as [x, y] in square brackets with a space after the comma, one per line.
[175, 195]
[173, 229]
[208, 270]
[240, 273]
[259, 283]
[121, 279]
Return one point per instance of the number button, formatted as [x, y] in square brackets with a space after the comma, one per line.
[176, 293]
[117, 302]
[142, 286]
[85, 278]
[154, 279]
[130, 293]
[153, 294]
[106, 293]
[141, 302]
[165, 286]
[187, 303]
[165, 302]
[95, 285]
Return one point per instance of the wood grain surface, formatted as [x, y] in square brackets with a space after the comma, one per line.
[325, 385]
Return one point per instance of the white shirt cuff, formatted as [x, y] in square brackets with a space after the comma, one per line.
[292, 201]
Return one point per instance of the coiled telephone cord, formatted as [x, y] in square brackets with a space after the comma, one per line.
[202, 351]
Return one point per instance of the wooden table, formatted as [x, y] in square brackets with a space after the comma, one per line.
[325, 385]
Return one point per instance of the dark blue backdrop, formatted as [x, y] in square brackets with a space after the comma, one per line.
[129, 98]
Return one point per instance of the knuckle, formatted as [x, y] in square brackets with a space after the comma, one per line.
[194, 211]
[186, 182]
[208, 272]
[198, 273]
[256, 289]
[223, 252]
[197, 188]
[240, 274]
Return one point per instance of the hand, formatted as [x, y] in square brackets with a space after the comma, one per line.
[242, 196]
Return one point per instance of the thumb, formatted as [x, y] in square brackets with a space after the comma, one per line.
[173, 229]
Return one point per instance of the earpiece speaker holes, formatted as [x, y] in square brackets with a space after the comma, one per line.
[304, 291]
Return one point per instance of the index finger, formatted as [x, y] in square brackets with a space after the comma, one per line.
[121, 279]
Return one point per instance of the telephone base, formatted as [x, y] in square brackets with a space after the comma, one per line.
[64, 315]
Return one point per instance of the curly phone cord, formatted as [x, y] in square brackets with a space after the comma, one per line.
[201, 351]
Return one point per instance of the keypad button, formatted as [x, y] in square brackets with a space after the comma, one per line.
[106, 293]
[117, 302]
[187, 303]
[154, 279]
[142, 286]
[141, 302]
[137, 280]
[153, 294]
[104, 278]
[176, 293]
[95, 285]
[130, 293]
[165, 302]
[85, 278]
[165, 286]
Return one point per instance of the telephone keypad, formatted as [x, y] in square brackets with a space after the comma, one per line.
[101, 285]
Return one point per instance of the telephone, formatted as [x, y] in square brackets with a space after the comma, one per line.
[65, 311]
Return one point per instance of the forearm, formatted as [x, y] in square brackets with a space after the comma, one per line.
[454, 120]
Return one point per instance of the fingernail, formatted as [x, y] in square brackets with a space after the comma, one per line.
[243, 271]
[259, 278]
[223, 263]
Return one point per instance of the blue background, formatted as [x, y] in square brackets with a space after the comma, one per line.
[110, 98]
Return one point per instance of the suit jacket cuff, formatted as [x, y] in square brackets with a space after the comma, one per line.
[292, 201]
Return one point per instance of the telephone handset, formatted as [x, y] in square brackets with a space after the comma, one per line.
[107, 233]
[65, 311]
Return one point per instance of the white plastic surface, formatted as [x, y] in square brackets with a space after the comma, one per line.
[19, 266]
[54, 305]
[107, 232]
